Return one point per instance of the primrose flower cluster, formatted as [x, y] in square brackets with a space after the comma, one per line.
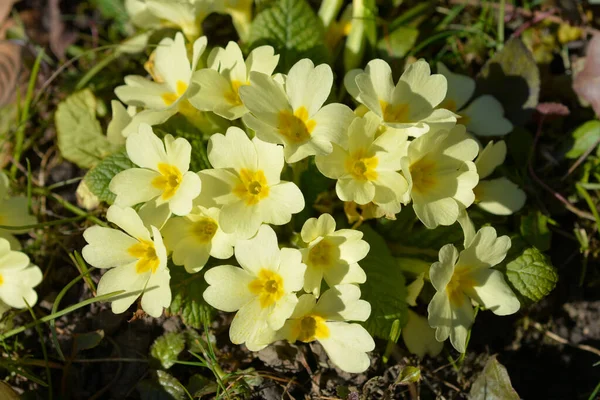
[403, 144]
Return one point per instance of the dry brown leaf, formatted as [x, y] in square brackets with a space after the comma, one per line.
[587, 82]
[59, 38]
[5, 7]
[10, 67]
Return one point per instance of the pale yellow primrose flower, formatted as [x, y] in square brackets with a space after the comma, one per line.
[410, 104]
[172, 85]
[14, 211]
[18, 277]
[246, 184]
[484, 116]
[141, 15]
[195, 237]
[460, 278]
[262, 291]
[441, 175]
[324, 321]
[293, 114]
[366, 169]
[186, 15]
[497, 196]
[164, 174]
[136, 259]
[226, 73]
[330, 254]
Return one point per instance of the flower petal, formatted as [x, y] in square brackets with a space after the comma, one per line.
[128, 220]
[500, 196]
[347, 346]
[124, 278]
[486, 117]
[145, 149]
[490, 158]
[260, 252]
[228, 290]
[308, 86]
[157, 294]
[317, 227]
[232, 150]
[493, 293]
[107, 247]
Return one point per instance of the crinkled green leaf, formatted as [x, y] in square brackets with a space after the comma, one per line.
[167, 347]
[532, 275]
[493, 383]
[534, 228]
[585, 136]
[187, 300]
[398, 43]
[385, 287]
[98, 178]
[165, 387]
[293, 29]
[513, 77]
[80, 136]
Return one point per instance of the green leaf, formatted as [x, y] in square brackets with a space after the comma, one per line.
[585, 136]
[534, 228]
[114, 9]
[293, 29]
[513, 77]
[408, 375]
[398, 43]
[187, 300]
[167, 347]
[165, 387]
[532, 275]
[200, 385]
[385, 287]
[80, 136]
[86, 341]
[493, 383]
[98, 178]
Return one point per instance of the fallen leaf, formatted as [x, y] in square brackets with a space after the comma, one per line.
[59, 38]
[5, 7]
[587, 82]
[10, 67]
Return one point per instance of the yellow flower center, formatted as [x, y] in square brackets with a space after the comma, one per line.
[423, 174]
[146, 254]
[311, 327]
[253, 186]
[362, 167]
[459, 283]
[1, 279]
[170, 97]
[204, 229]
[169, 180]
[296, 127]
[268, 286]
[233, 96]
[450, 105]
[323, 254]
[394, 112]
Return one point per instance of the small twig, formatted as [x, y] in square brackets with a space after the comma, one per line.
[562, 340]
[581, 159]
[558, 196]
